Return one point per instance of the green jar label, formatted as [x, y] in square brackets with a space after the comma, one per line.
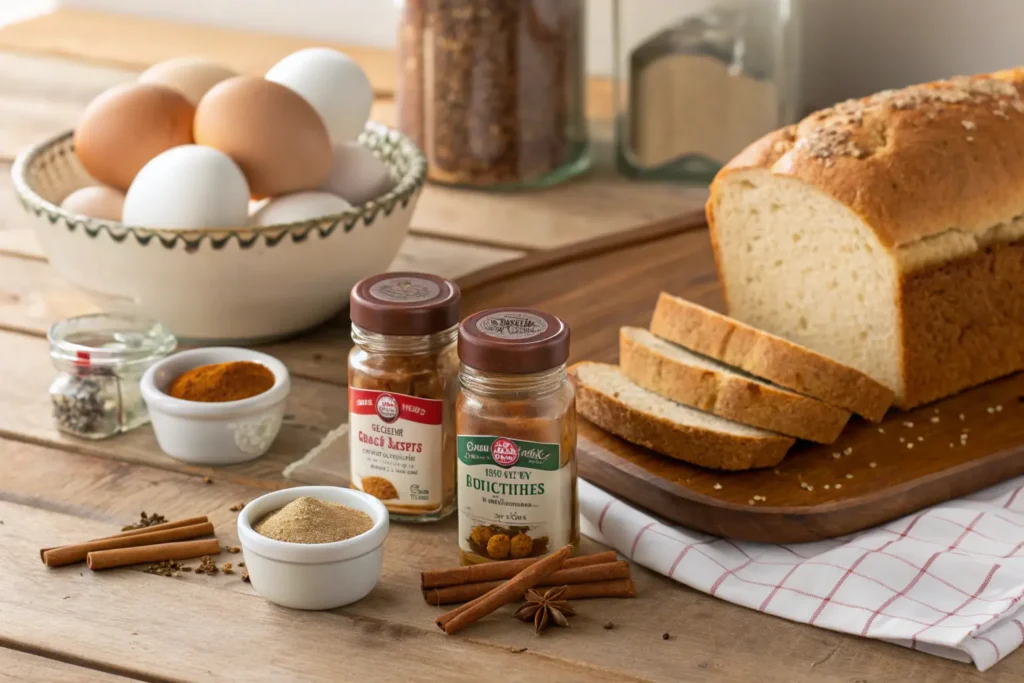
[515, 499]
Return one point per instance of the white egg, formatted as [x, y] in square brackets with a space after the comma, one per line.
[334, 84]
[357, 174]
[298, 206]
[188, 187]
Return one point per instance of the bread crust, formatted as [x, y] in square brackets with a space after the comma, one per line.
[765, 355]
[702, 447]
[729, 395]
[935, 164]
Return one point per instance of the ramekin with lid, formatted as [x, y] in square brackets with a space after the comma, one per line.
[313, 576]
[214, 433]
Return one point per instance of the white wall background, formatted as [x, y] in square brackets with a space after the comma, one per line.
[851, 47]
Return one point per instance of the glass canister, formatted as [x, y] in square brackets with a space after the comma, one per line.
[516, 426]
[696, 81]
[100, 360]
[493, 90]
[402, 379]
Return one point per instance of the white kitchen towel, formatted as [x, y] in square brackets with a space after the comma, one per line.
[947, 580]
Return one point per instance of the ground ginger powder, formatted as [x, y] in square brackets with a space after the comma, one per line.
[311, 520]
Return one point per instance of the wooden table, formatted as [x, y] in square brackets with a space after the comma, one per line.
[73, 625]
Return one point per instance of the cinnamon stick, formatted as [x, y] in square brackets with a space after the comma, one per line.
[612, 588]
[563, 577]
[69, 554]
[461, 617]
[191, 521]
[120, 557]
[499, 571]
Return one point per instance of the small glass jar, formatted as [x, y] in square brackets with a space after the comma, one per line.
[516, 426]
[492, 91]
[402, 380]
[100, 360]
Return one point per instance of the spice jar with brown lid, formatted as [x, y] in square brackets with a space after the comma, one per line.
[402, 382]
[492, 90]
[516, 426]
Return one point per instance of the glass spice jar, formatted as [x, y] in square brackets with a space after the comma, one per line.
[402, 380]
[100, 360]
[516, 426]
[493, 90]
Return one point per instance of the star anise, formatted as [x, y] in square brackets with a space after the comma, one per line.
[546, 609]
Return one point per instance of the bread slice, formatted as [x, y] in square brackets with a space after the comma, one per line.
[605, 397]
[773, 358]
[700, 382]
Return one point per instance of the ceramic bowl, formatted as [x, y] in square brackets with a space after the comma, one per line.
[313, 575]
[214, 433]
[221, 286]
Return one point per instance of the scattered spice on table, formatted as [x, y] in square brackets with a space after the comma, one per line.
[145, 521]
[222, 382]
[207, 566]
[168, 568]
[311, 520]
[245, 577]
[546, 609]
[207, 480]
[609, 625]
[233, 549]
[237, 507]
[665, 636]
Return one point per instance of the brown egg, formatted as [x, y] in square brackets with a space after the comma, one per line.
[96, 201]
[273, 134]
[126, 126]
[191, 76]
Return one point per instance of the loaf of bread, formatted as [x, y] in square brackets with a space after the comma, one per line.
[887, 233]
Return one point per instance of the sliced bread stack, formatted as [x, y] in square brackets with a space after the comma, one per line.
[712, 391]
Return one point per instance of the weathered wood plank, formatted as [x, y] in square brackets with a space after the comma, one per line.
[18, 667]
[149, 625]
[704, 630]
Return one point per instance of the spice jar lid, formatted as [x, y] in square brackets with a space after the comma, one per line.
[514, 341]
[405, 304]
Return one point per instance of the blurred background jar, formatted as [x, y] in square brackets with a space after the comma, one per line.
[493, 90]
[699, 80]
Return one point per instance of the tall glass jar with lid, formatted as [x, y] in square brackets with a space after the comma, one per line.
[492, 90]
[696, 81]
[516, 425]
[402, 380]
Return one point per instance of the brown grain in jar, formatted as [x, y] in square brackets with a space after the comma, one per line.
[516, 426]
[403, 378]
[492, 90]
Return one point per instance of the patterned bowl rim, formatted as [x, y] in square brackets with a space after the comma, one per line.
[401, 195]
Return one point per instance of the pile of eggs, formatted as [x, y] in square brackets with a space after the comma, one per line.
[193, 145]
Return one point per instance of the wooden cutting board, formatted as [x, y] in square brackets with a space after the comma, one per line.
[874, 472]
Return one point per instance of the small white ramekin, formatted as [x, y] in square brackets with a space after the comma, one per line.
[214, 433]
[313, 575]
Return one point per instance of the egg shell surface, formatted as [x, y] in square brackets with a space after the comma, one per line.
[333, 83]
[95, 201]
[190, 76]
[299, 206]
[272, 133]
[357, 174]
[189, 187]
[126, 126]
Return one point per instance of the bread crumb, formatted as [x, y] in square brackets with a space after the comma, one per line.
[910, 445]
[920, 438]
[826, 487]
[849, 476]
[962, 416]
[999, 409]
[950, 444]
[990, 410]
[837, 455]
[935, 420]
[970, 138]
[902, 440]
[908, 425]
[750, 502]
[968, 125]
[717, 487]
[839, 486]
[872, 465]
[936, 411]
[848, 451]
[881, 431]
